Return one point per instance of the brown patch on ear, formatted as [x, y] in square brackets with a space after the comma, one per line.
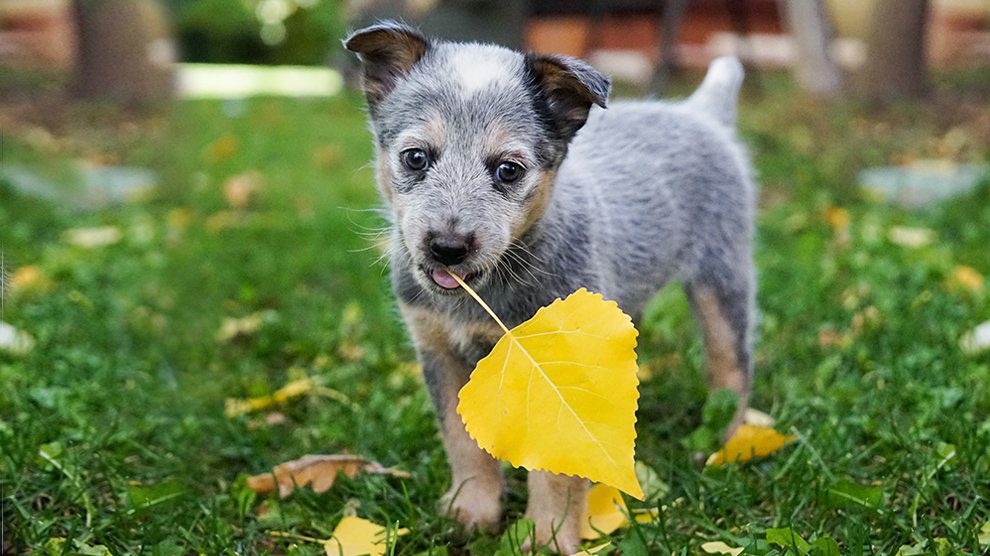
[388, 50]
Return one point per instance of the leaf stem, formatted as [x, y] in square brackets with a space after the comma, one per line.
[480, 301]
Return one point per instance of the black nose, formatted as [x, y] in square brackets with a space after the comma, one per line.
[448, 250]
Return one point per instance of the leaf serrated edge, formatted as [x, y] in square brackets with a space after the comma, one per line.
[508, 332]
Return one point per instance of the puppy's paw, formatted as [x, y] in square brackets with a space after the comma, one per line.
[562, 538]
[475, 506]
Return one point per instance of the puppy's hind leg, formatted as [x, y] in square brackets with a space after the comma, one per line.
[722, 297]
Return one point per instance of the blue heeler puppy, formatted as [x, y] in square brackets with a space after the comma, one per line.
[506, 169]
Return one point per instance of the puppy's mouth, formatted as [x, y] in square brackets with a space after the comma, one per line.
[443, 279]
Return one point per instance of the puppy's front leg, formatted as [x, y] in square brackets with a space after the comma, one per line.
[556, 504]
[475, 495]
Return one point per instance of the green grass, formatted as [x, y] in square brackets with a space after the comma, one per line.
[124, 391]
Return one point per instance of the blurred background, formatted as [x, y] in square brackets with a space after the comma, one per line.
[188, 217]
[129, 48]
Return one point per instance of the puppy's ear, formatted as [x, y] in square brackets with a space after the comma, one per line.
[569, 86]
[388, 50]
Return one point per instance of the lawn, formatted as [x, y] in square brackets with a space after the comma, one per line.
[113, 430]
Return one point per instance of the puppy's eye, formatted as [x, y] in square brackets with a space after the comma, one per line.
[508, 172]
[415, 160]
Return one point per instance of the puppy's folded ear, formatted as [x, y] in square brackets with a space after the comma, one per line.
[388, 50]
[569, 87]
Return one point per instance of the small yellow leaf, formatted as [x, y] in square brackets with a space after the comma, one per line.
[316, 471]
[837, 217]
[749, 442]
[354, 536]
[559, 392]
[592, 550]
[719, 547]
[28, 278]
[222, 149]
[605, 512]
[967, 278]
[232, 328]
[235, 407]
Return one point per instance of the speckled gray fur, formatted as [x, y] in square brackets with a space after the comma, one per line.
[644, 193]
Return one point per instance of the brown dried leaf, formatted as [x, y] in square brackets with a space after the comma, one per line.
[318, 472]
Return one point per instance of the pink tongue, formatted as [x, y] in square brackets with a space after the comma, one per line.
[444, 279]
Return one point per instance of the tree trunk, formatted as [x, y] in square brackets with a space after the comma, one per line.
[126, 52]
[814, 68]
[895, 63]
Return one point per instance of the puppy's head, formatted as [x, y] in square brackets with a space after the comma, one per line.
[468, 139]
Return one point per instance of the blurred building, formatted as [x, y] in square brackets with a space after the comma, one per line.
[624, 35]
[36, 34]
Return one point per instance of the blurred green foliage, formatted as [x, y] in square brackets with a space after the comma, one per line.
[257, 31]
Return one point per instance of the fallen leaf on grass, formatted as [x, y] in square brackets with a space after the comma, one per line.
[983, 537]
[318, 472]
[939, 546]
[234, 407]
[756, 417]
[749, 442]
[223, 148]
[977, 340]
[232, 327]
[837, 217]
[28, 278]
[606, 512]
[91, 238]
[239, 190]
[354, 536]
[966, 278]
[719, 547]
[912, 238]
[559, 392]
[13, 340]
[57, 545]
[592, 550]
[786, 538]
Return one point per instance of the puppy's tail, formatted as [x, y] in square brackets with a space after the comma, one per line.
[719, 92]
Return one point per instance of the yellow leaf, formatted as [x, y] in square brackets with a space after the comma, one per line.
[749, 442]
[232, 328]
[222, 149]
[837, 217]
[234, 407]
[316, 471]
[719, 547]
[605, 512]
[966, 277]
[28, 278]
[354, 536]
[592, 550]
[558, 392]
